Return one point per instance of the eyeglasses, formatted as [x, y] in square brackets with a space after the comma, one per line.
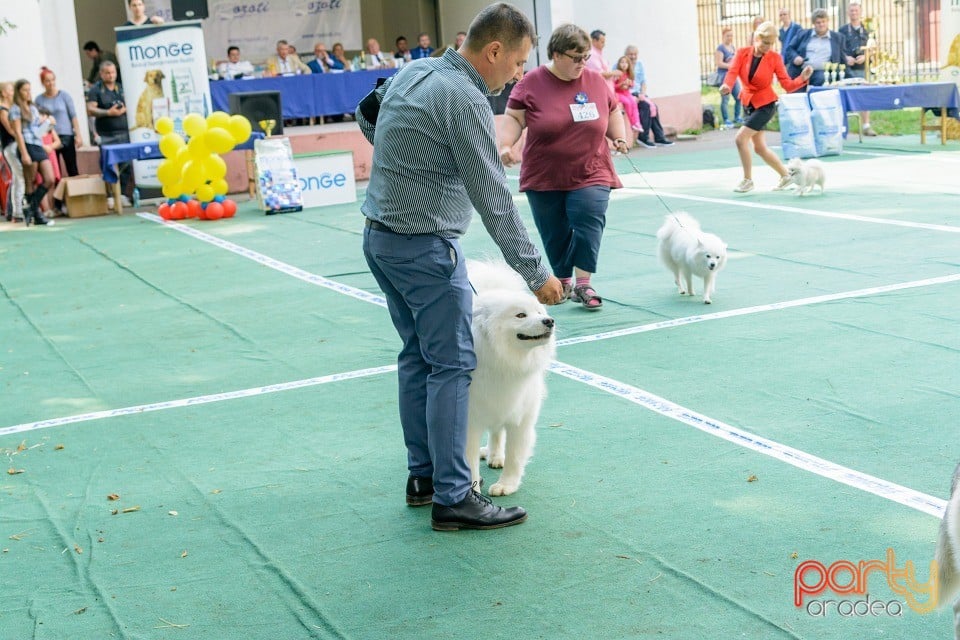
[576, 59]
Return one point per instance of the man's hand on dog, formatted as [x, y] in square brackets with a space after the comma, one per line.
[551, 292]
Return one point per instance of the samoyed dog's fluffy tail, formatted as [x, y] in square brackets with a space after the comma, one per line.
[948, 546]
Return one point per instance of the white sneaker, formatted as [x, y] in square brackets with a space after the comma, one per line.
[783, 184]
[125, 201]
[744, 186]
[109, 203]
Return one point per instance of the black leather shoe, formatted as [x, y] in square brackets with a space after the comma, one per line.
[419, 491]
[476, 511]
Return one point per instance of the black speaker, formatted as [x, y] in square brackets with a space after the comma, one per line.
[257, 106]
[189, 9]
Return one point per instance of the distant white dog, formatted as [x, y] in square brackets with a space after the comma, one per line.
[687, 251]
[514, 340]
[805, 175]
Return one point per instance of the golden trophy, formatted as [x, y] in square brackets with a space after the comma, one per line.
[267, 126]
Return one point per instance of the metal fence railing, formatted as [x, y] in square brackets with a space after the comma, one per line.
[906, 29]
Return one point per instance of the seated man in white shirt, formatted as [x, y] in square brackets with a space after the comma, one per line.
[376, 59]
[234, 67]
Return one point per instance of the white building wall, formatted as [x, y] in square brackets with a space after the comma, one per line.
[46, 35]
[665, 34]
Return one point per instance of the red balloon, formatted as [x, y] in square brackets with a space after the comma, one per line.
[214, 211]
[229, 208]
[179, 210]
[194, 209]
[164, 211]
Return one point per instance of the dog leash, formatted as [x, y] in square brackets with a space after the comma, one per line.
[649, 186]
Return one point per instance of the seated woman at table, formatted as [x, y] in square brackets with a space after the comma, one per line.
[338, 59]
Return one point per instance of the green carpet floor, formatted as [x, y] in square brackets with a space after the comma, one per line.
[201, 444]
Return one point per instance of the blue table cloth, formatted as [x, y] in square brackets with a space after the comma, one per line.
[316, 94]
[895, 96]
[113, 154]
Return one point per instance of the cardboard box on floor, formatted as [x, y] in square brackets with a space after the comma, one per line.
[84, 195]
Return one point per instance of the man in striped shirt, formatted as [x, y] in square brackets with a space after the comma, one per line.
[437, 112]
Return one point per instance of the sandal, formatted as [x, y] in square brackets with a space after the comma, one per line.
[567, 288]
[585, 295]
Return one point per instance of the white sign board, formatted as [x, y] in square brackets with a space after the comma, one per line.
[326, 178]
[256, 25]
[164, 74]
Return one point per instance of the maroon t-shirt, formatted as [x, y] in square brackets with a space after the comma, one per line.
[561, 154]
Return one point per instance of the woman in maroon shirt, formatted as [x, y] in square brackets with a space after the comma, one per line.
[567, 173]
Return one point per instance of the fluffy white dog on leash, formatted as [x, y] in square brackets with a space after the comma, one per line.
[513, 337]
[687, 251]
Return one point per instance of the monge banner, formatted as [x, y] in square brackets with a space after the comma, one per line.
[164, 74]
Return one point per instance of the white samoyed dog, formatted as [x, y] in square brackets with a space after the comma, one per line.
[513, 337]
[687, 251]
[805, 175]
[948, 550]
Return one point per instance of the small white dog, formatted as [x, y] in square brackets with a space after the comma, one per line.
[513, 337]
[687, 251]
[805, 175]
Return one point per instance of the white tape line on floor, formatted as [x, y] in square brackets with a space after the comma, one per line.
[800, 459]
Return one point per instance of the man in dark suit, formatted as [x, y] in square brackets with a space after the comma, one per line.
[815, 47]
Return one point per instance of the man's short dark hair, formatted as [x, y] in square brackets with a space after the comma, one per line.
[90, 45]
[596, 33]
[399, 38]
[500, 22]
[233, 48]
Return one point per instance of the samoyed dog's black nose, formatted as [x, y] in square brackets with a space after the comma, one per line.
[548, 322]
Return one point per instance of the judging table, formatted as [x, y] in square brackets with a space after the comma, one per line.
[113, 154]
[888, 97]
[305, 96]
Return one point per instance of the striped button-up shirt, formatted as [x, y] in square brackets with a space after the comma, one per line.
[435, 159]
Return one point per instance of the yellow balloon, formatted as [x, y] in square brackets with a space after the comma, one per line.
[170, 144]
[194, 125]
[164, 125]
[205, 193]
[183, 154]
[218, 140]
[168, 172]
[218, 119]
[172, 190]
[197, 148]
[239, 128]
[214, 167]
[220, 187]
[192, 175]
